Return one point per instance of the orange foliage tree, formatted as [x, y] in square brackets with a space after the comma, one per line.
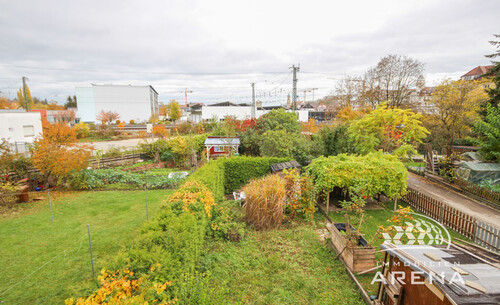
[310, 126]
[107, 116]
[5, 103]
[56, 153]
[160, 130]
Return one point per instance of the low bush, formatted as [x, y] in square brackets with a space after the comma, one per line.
[265, 202]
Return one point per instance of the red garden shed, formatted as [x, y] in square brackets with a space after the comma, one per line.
[221, 146]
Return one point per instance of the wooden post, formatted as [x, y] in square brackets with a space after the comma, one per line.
[395, 203]
[327, 202]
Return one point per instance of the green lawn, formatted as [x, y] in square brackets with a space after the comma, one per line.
[29, 240]
[282, 266]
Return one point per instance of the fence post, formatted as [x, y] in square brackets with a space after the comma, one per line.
[441, 213]
[50, 204]
[90, 244]
[146, 197]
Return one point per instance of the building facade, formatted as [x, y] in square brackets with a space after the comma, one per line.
[138, 103]
[20, 128]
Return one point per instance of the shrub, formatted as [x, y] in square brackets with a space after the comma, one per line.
[82, 130]
[265, 202]
[301, 193]
[238, 171]
[193, 197]
[212, 176]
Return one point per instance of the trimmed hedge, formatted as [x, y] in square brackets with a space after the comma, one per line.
[212, 176]
[223, 176]
[238, 171]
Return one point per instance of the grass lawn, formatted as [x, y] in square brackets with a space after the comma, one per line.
[56, 256]
[282, 266]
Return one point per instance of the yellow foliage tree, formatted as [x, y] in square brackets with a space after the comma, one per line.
[310, 126]
[457, 103]
[56, 153]
[174, 110]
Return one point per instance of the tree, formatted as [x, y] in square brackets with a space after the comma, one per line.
[335, 140]
[457, 103]
[65, 116]
[387, 129]
[489, 133]
[174, 110]
[25, 101]
[494, 73]
[56, 153]
[107, 117]
[5, 103]
[393, 79]
[71, 102]
[279, 119]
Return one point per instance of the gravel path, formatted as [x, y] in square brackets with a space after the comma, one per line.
[454, 199]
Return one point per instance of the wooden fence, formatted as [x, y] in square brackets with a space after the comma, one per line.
[474, 189]
[481, 232]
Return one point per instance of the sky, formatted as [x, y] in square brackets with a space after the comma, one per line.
[217, 48]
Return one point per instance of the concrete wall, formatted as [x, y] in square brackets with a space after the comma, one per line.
[20, 126]
[136, 103]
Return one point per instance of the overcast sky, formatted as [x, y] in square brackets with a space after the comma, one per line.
[216, 48]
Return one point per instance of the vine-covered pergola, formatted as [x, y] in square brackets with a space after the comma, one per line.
[366, 176]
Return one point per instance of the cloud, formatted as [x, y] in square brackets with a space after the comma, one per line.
[60, 45]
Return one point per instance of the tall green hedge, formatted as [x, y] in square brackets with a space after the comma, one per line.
[238, 171]
[212, 176]
[223, 176]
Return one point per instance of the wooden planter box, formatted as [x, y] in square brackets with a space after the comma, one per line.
[359, 257]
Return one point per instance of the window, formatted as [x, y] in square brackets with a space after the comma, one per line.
[218, 148]
[29, 131]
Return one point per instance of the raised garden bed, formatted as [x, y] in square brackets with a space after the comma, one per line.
[358, 257]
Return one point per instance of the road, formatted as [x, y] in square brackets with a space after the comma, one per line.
[454, 199]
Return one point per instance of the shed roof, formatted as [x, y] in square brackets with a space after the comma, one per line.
[278, 167]
[479, 272]
[222, 141]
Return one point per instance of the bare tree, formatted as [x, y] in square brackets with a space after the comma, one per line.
[395, 78]
[348, 91]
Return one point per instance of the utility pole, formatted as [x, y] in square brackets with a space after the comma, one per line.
[313, 89]
[25, 93]
[186, 95]
[253, 110]
[294, 91]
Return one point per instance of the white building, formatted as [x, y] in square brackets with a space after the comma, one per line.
[20, 128]
[136, 103]
[241, 112]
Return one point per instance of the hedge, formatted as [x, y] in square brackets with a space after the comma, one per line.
[212, 176]
[238, 171]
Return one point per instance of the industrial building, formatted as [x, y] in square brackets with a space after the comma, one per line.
[136, 103]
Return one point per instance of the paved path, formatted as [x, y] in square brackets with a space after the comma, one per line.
[454, 199]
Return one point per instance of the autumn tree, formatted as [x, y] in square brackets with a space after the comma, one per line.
[174, 110]
[107, 117]
[65, 116]
[5, 103]
[25, 100]
[56, 153]
[387, 129]
[456, 103]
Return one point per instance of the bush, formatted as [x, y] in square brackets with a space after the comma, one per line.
[265, 202]
[212, 176]
[238, 171]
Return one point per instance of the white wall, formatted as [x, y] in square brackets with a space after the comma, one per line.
[20, 126]
[136, 103]
[220, 112]
[303, 115]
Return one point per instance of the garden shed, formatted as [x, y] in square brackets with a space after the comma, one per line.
[221, 146]
[475, 172]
